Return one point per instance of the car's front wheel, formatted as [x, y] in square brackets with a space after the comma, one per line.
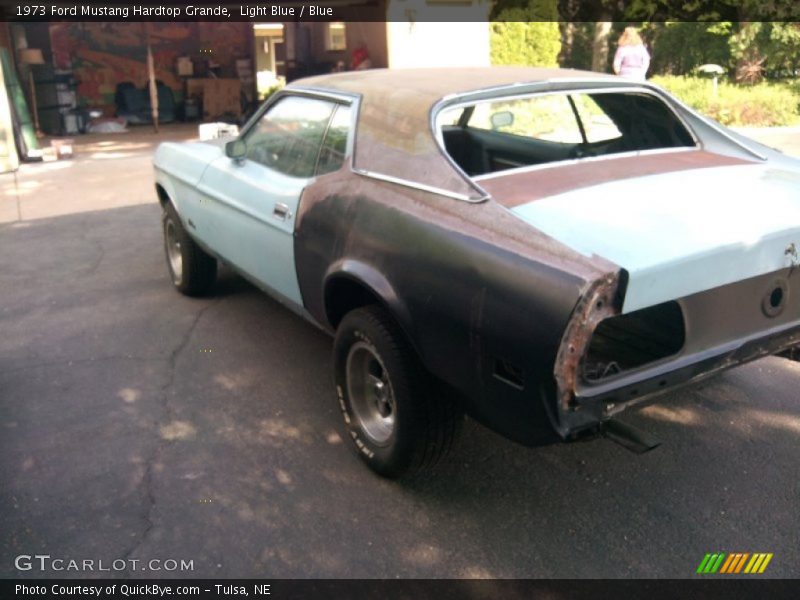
[397, 424]
[192, 270]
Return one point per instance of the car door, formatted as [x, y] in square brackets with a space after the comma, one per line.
[251, 202]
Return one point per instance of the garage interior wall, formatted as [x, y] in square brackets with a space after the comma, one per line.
[5, 36]
[102, 55]
[8, 153]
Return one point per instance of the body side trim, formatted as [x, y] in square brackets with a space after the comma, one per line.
[421, 186]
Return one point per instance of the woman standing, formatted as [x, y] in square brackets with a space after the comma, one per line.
[631, 59]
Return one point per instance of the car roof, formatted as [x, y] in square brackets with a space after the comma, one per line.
[395, 137]
[436, 83]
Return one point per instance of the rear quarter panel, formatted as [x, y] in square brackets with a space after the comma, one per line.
[466, 295]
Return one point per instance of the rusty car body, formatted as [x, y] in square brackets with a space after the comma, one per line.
[540, 248]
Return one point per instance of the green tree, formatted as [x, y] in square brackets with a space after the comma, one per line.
[525, 33]
[764, 48]
[784, 49]
[678, 48]
[576, 46]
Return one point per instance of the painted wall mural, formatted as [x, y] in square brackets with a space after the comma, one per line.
[101, 55]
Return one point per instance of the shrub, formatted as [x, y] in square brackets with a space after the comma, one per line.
[679, 47]
[519, 36]
[761, 105]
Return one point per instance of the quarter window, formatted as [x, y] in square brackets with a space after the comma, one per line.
[547, 118]
[331, 156]
[597, 125]
[507, 133]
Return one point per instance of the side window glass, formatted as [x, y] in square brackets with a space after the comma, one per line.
[289, 136]
[334, 147]
[598, 125]
[549, 118]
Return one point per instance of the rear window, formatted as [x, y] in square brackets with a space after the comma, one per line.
[492, 136]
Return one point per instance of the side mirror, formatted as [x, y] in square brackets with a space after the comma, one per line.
[502, 119]
[236, 149]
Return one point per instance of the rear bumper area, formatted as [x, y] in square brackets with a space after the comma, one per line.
[629, 358]
[603, 402]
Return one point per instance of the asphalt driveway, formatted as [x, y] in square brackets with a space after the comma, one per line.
[138, 424]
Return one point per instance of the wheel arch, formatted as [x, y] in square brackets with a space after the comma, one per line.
[165, 189]
[350, 284]
[163, 196]
[165, 193]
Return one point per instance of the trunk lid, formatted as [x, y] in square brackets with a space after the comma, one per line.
[679, 232]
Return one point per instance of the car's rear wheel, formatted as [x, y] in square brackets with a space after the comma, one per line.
[192, 270]
[396, 422]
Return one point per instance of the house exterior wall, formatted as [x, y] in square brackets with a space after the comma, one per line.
[265, 51]
[421, 33]
[437, 44]
[373, 37]
[416, 33]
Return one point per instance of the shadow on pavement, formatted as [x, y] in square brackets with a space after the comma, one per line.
[139, 424]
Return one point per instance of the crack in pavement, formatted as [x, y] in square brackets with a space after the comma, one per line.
[147, 478]
[85, 229]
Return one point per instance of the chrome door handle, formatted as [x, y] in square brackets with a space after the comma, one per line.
[281, 211]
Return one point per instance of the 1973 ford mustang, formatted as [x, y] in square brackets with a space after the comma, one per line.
[539, 248]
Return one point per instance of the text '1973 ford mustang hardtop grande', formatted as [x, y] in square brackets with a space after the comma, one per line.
[538, 248]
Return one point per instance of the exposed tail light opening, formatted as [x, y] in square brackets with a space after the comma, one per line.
[622, 343]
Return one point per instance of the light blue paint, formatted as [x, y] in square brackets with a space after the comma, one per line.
[237, 219]
[231, 206]
[679, 233]
[179, 167]
[186, 161]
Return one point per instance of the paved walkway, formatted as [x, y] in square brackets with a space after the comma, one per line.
[107, 171]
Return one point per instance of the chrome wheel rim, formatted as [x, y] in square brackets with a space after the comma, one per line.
[371, 394]
[174, 256]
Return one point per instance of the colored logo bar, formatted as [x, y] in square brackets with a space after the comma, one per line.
[734, 562]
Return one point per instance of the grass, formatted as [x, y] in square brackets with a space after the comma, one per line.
[761, 105]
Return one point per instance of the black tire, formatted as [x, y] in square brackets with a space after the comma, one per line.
[192, 270]
[398, 426]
